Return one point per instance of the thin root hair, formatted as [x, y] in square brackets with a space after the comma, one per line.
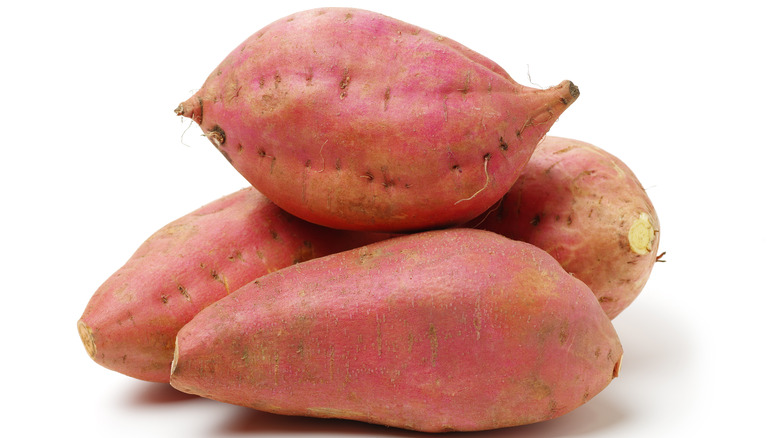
[185, 131]
[487, 182]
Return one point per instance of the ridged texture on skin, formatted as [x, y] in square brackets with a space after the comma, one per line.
[456, 329]
[354, 120]
[584, 206]
[130, 323]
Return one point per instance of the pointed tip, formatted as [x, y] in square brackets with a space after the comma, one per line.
[618, 365]
[191, 108]
[568, 92]
[574, 90]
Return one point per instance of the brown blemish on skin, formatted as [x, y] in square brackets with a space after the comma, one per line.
[502, 144]
[217, 277]
[216, 136]
[387, 97]
[344, 83]
[563, 334]
[236, 256]
[309, 76]
[184, 293]
[466, 84]
[434, 340]
[387, 180]
[305, 252]
[564, 150]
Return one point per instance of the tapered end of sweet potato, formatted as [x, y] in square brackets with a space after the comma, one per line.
[85, 332]
[573, 91]
[546, 106]
[618, 364]
[565, 92]
[191, 108]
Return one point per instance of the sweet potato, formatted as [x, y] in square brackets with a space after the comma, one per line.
[586, 207]
[130, 323]
[457, 329]
[354, 120]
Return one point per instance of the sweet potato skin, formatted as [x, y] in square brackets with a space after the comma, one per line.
[457, 329]
[131, 321]
[354, 120]
[588, 209]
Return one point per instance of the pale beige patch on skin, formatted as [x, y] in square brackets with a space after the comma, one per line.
[124, 295]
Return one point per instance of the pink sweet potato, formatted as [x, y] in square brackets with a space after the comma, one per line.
[457, 329]
[584, 206]
[130, 323]
[354, 120]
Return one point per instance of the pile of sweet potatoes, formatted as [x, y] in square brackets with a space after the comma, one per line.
[414, 251]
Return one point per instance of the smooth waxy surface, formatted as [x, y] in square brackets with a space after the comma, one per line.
[446, 330]
[354, 120]
[130, 323]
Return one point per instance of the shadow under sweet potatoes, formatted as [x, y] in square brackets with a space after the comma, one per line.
[598, 414]
[150, 393]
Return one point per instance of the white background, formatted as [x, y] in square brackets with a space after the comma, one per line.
[94, 161]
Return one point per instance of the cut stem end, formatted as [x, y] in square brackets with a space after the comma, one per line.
[87, 338]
